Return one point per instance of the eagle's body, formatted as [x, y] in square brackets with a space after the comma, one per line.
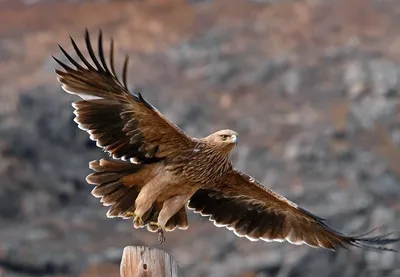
[214, 164]
[157, 169]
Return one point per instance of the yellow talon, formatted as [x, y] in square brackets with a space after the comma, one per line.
[138, 221]
[154, 224]
[130, 214]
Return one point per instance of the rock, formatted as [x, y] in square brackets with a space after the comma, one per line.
[355, 79]
[291, 81]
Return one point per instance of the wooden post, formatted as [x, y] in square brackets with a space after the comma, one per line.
[141, 261]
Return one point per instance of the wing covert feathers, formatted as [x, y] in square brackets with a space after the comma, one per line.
[243, 206]
[124, 124]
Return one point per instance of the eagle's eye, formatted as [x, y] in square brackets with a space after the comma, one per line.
[224, 137]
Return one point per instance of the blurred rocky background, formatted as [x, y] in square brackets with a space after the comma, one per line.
[311, 86]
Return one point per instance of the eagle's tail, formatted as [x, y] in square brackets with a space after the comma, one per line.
[110, 178]
[107, 178]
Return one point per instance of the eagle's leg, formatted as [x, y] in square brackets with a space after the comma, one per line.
[145, 200]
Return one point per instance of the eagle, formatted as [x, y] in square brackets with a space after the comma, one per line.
[156, 170]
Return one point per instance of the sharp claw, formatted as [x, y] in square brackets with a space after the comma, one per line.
[161, 237]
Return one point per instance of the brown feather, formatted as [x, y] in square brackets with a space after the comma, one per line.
[109, 181]
[243, 205]
[122, 123]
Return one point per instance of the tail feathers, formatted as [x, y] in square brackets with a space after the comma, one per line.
[107, 179]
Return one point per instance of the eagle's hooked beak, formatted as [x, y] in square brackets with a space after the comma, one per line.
[235, 139]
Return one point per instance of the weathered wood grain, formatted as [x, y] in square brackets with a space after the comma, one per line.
[141, 261]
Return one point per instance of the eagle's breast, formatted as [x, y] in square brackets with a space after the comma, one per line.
[200, 165]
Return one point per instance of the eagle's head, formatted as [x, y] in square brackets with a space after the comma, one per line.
[223, 139]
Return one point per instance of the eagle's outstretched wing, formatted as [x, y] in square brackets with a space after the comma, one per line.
[122, 123]
[244, 206]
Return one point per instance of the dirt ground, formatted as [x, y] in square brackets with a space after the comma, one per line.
[312, 87]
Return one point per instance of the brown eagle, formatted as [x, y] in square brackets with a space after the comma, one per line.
[160, 169]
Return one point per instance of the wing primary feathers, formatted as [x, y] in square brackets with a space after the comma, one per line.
[66, 67]
[369, 232]
[70, 59]
[112, 57]
[91, 52]
[375, 243]
[79, 53]
[125, 71]
[371, 243]
[101, 52]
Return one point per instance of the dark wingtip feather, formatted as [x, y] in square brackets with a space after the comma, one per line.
[101, 52]
[66, 67]
[91, 52]
[370, 232]
[76, 64]
[376, 243]
[80, 55]
[125, 71]
[112, 57]
[57, 61]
